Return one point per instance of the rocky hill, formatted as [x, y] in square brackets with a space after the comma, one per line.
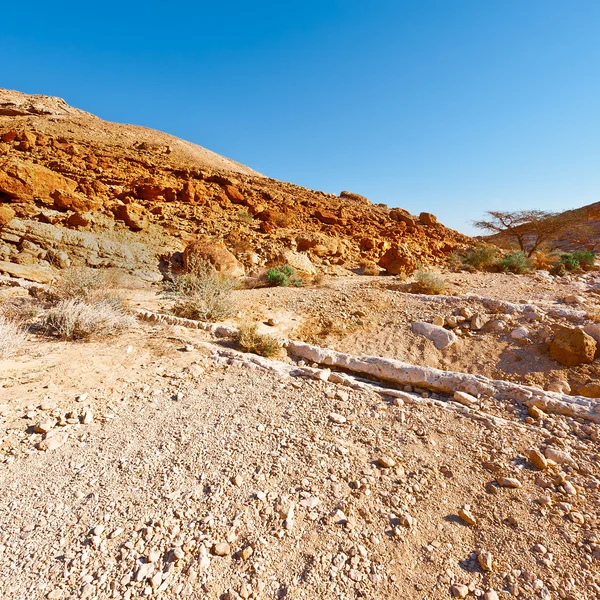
[75, 189]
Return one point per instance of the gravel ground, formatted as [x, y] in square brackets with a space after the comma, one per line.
[185, 476]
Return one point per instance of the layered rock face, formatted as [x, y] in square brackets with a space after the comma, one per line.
[78, 190]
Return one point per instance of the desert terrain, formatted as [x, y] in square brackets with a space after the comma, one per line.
[391, 444]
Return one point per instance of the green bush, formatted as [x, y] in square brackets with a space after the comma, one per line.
[586, 258]
[570, 262]
[283, 276]
[480, 257]
[514, 262]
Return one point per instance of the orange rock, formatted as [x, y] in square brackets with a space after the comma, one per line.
[216, 253]
[133, 215]
[397, 261]
[572, 346]
[73, 201]
[233, 194]
[7, 214]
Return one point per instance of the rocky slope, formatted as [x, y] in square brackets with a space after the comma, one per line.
[75, 189]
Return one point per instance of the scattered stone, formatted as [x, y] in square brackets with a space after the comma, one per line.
[44, 426]
[572, 346]
[221, 549]
[53, 440]
[387, 462]
[485, 560]
[509, 482]
[490, 595]
[560, 457]
[537, 459]
[441, 338]
[460, 590]
[337, 418]
[466, 515]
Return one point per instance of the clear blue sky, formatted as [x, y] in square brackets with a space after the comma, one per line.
[447, 106]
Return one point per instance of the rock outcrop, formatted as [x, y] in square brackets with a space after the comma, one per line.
[63, 167]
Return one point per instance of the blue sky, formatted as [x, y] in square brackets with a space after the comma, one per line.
[448, 106]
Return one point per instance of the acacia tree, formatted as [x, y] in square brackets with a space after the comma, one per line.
[530, 228]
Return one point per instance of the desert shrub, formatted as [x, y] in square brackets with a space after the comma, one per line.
[481, 257]
[283, 276]
[514, 262]
[454, 261]
[201, 293]
[428, 283]
[570, 262]
[20, 310]
[85, 284]
[12, 336]
[250, 340]
[74, 319]
[585, 258]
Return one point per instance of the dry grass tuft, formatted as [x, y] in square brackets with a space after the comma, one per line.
[428, 283]
[74, 319]
[12, 337]
[249, 340]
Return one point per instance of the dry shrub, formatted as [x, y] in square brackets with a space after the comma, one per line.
[428, 283]
[12, 337]
[249, 340]
[74, 319]
[201, 293]
[20, 310]
[85, 284]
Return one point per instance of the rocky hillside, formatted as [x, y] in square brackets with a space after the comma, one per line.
[75, 189]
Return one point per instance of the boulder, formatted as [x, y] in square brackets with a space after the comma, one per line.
[402, 216]
[64, 201]
[134, 215]
[214, 252]
[233, 194]
[299, 261]
[427, 218]
[355, 197]
[593, 329]
[441, 338]
[326, 217]
[7, 214]
[398, 261]
[24, 181]
[572, 346]
[590, 390]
